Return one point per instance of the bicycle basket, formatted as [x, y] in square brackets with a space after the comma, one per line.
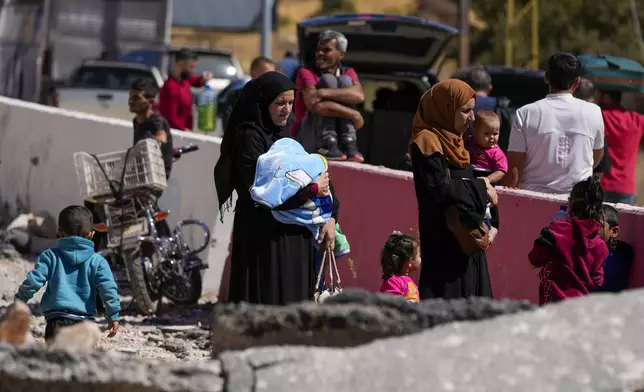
[144, 170]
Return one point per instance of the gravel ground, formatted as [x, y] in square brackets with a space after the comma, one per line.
[175, 333]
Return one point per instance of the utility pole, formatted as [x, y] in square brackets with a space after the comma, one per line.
[512, 20]
[109, 29]
[509, 26]
[43, 46]
[535, 35]
[267, 27]
[464, 8]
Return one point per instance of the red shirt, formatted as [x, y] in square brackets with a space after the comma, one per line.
[175, 101]
[306, 77]
[624, 130]
[570, 254]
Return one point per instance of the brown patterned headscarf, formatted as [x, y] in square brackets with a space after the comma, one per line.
[433, 127]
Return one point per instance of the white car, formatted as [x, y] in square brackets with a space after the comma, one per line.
[102, 87]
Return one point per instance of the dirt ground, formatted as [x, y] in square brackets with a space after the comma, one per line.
[175, 333]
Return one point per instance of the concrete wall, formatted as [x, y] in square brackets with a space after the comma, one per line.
[376, 201]
[37, 170]
[37, 174]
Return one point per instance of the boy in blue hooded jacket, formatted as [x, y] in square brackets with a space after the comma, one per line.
[73, 271]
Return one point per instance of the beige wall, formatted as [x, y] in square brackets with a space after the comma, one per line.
[37, 170]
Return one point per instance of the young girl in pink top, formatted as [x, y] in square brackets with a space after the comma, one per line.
[400, 256]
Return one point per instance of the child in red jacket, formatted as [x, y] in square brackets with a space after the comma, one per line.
[570, 253]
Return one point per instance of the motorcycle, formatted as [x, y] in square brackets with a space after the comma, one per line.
[136, 238]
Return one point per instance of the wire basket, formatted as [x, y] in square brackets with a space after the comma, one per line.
[125, 224]
[145, 169]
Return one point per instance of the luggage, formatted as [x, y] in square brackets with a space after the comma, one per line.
[613, 73]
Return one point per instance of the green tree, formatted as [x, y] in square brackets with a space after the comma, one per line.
[576, 26]
[329, 7]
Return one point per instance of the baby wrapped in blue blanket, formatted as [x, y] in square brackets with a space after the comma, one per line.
[283, 171]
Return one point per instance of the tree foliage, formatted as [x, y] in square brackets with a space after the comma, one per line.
[577, 26]
[330, 7]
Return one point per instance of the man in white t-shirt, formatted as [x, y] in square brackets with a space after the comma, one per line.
[556, 141]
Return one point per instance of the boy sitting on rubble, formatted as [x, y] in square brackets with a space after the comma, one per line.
[72, 272]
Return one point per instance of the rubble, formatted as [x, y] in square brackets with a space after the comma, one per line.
[32, 369]
[15, 329]
[82, 337]
[27, 234]
[352, 318]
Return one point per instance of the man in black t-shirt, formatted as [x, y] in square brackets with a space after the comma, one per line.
[149, 124]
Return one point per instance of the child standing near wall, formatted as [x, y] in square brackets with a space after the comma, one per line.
[617, 267]
[570, 253]
[72, 272]
[400, 256]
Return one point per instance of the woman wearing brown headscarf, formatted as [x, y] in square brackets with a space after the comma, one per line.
[443, 177]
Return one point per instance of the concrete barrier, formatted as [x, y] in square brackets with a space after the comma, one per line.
[37, 174]
[375, 201]
[37, 170]
[584, 344]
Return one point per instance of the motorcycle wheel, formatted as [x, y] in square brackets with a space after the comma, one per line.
[186, 291]
[145, 298]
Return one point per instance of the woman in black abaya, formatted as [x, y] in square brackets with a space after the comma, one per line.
[271, 262]
[443, 177]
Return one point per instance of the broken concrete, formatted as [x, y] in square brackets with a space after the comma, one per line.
[589, 344]
[346, 320]
[33, 369]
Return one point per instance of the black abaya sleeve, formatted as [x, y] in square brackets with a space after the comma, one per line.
[470, 195]
[297, 200]
[336, 203]
[249, 145]
[303, 196]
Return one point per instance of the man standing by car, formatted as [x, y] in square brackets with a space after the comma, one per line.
[228, 96]
[556, 141]
[481, 81]
[624, 131]
[175, 97]
[326, 120]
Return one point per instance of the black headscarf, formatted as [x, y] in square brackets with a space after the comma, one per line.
[251, 111]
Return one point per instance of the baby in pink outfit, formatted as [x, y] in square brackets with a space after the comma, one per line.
[400, 256]
[487, 158]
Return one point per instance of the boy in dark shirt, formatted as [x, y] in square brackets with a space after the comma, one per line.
[617, 267]
[149, 124]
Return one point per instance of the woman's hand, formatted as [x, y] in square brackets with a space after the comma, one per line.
[327, 236]
[492, 196]
[323, 185]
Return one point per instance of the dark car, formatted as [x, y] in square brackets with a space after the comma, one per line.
[393, 56]
[519, 85]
